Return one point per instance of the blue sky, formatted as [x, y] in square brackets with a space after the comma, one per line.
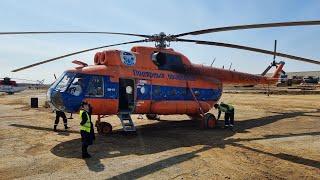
[150, 17]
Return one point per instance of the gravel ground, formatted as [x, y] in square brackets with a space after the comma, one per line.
[276, 137]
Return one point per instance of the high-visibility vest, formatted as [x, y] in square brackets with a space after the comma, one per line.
[87, 126]
[225, 107]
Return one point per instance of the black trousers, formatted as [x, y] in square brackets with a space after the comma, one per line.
[84, 149]
[63, 116]
[229, 118]
[87, 140]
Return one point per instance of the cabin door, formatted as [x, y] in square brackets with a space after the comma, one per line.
[126, 95]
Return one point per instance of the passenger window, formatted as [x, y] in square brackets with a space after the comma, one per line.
[157, 90]
[197, 93]
[95, 88]
[173, 92]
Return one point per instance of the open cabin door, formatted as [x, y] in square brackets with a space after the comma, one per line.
[126, 95]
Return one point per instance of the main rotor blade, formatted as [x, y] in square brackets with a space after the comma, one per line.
[250, 49]
[250, 26]
[72, 32]
[74, 53]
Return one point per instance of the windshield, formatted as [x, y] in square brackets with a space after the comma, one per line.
[77, 85]
[64, 82]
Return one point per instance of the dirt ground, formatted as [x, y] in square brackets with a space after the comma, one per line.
[276, 137]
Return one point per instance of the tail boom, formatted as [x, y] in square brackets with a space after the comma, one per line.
[234, 77]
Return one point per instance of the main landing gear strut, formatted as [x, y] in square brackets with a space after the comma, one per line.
[207, 120]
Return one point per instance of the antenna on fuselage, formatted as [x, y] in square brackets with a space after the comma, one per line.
[213, 61]
[230, 66]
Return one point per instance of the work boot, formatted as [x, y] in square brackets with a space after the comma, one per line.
[66, 127]
[55, 128]
[70, 116]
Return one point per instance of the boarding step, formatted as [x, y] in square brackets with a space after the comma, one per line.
[126, 121]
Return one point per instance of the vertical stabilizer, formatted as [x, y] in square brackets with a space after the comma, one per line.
[279, 70]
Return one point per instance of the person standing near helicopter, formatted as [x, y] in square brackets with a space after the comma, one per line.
[86, 128]
[63, 116]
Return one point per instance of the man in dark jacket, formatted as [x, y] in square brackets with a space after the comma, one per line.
[86, 129]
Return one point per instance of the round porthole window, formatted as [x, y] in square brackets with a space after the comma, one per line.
[196, 93]
[142, 90]
[129, 90]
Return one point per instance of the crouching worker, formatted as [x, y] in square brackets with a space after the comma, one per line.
[86, 129]
[229, 114]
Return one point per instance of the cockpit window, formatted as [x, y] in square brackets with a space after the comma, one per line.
[95, 88]
[76, 87]
[64, 82]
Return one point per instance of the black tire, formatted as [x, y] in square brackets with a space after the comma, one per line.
[104, 128]
[209, 121]
[152, 116]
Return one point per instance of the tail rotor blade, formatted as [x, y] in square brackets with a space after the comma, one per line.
[266, 70]
[275, 50]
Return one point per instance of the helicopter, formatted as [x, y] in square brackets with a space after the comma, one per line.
[9, 86]
[153, 80]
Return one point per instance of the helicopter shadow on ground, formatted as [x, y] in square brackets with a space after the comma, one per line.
[168, 135]
[59, 132]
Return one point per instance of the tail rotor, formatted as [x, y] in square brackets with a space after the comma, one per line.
[274, 62]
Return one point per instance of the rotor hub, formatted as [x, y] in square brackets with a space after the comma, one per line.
[162, 40]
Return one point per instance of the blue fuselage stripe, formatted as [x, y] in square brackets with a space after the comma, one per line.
[163, 93]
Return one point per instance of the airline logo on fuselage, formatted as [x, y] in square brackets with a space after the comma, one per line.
[128, 58]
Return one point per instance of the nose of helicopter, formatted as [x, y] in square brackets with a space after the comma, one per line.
[63, 101]
[55, 100]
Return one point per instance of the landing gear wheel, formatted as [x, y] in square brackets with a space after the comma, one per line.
[152, 116]
[104, 128]
[209, 121]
